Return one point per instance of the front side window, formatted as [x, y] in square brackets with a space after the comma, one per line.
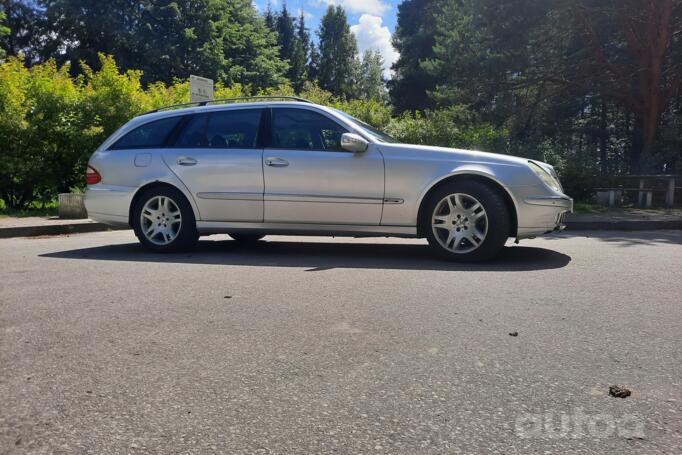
[149, 135]
[222, 129]
[303, 129]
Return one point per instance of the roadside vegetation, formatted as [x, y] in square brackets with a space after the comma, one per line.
[589, 86]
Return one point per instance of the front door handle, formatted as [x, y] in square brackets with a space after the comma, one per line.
[186, 161]
[276, 162]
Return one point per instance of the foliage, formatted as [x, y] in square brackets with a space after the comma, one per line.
[51, 121]
[594, 79]
[4, 30]
[338, 53]
[41, 130]
[226, 40]
[414, 39]
[451, 127]
[293, 43]
[370, 81]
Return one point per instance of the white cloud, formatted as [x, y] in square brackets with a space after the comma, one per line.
[370, 34]
[359, 6]
[308, 16]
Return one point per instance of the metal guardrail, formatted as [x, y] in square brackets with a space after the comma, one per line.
[228, 100]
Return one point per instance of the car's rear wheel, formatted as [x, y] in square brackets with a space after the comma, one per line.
[467, 221]
[246, 239]
[163, 220]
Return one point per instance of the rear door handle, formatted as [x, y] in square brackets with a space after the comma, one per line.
[276, 162]
[186, 161]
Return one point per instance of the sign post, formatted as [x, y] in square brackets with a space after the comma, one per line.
[200, 89]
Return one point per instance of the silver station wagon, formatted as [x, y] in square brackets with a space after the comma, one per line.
[282, 165]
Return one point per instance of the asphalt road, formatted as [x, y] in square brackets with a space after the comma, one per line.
[306, 345]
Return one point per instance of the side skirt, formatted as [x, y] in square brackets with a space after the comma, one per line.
[221, 227]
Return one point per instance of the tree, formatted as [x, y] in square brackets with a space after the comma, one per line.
[222, 39]
[589, 81]
[338, 53]
[270, 17]
[371, 79]
[179, 38]
[636, 62]
[414, 39]
[314, 63]
[303, 35]
[3, 31]
[291, 48]
[300, 59]
[78, 30]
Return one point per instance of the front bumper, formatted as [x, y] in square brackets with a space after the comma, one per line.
[540, 215]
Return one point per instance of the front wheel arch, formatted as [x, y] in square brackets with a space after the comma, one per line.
[421, 225]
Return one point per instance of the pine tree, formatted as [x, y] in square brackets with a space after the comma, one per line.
[338, 53]
[371, 79]
[314, 63]
[270, 17]
[414, 39]
[303, 35]
[286, 37]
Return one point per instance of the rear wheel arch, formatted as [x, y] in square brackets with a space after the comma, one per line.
[156, 184]
[488, 181]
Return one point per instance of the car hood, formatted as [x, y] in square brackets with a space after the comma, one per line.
[428, 152]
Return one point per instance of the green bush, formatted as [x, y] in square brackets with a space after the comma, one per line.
[449, 127]
[51, 122]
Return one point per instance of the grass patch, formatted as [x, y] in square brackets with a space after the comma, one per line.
[588, 207]
[35, 209]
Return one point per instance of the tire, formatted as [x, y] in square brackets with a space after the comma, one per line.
[168, 224]
[246, 239]
[477, 219]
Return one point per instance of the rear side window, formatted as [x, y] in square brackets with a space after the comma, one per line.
[152, 134]
[223, 129]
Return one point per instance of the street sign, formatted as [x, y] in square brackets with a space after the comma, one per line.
[200, 89]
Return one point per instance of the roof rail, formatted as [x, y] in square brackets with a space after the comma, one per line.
[227, 100]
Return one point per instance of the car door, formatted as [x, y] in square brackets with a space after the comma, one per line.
[218, 157]
[310, 179]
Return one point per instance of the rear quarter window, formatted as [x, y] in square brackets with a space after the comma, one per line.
[149, 135]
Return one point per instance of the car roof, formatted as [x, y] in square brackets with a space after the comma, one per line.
[153, 115]
[182, 111]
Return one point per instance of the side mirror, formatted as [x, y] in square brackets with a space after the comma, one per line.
[353, 143]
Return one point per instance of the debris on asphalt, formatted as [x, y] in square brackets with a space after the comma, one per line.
[513, 334]
[619, 391]
[228, 297]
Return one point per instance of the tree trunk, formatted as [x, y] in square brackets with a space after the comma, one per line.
[637, 144]
[603, 139]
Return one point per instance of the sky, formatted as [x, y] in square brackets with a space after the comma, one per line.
[372, 21]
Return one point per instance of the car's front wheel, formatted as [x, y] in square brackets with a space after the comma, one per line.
[467, 221]
[163, 220]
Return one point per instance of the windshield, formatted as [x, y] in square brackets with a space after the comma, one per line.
[375, 133]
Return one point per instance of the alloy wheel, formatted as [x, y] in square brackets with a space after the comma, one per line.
[459, 223]
[161, 220]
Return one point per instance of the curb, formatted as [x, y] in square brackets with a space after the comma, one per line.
[624, 225]
[53, 229]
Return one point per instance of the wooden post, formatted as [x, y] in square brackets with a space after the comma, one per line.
[640, 194]
[670, 194]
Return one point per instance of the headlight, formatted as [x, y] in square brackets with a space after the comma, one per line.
[548, 179]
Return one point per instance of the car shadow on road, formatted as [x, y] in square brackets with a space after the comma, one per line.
[323, 256]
